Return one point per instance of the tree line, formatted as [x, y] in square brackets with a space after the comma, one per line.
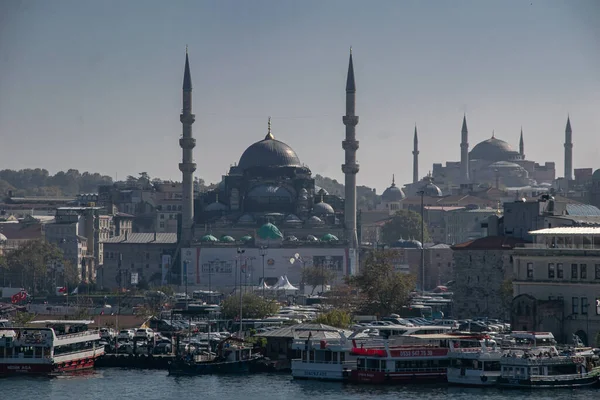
[39, 182]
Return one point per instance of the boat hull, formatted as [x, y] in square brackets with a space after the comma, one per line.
[472, 377]
[381, 377]
[47, 369]
[181, 367]
[547, 382]
[321, 371]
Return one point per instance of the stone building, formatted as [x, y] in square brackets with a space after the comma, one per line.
[481, 269]
[560, 271]
[148, 255]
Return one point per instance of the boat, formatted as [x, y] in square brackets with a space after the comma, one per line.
[233, 356]
[546, 367]
[50, 347]
[476, 365]
[420, 358]
[325, 354]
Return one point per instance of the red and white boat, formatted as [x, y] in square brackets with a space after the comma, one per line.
[424, 362]
[55, 347]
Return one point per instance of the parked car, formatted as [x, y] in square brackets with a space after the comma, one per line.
[125, 334]
[144, 333]
[107, 333]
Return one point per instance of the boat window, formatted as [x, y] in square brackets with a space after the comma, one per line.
[342, 357]
[328, 356]
[372, 365]
[383, 365]
[491, 366]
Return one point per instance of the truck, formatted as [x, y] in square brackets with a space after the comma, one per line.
[8, 292]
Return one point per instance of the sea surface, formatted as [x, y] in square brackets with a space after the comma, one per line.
[125, 384]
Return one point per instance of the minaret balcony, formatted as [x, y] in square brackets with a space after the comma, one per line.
[351, 145]
[187, 118]
[350, 120]
[187, 167]
[187, 142]
[351, 169]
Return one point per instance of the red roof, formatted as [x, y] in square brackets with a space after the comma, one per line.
[21, 231]
[490, 243]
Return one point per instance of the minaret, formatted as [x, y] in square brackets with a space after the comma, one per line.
[416, 157]
[187, 166]
[464, 152]
[350, 167]
[522, 146]
[568, 151]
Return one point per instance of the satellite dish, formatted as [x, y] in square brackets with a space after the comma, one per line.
[292, 260]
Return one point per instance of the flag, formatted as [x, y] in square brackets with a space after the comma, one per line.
[17, 297]
[62, 289]
[76, 290]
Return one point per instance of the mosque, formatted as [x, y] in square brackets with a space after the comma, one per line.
[490, 163]
[267, 216]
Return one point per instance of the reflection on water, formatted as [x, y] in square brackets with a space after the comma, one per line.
[149, 385]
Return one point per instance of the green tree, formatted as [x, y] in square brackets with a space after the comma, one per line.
[405, 224]
[22, 318]
[336, 318]
[384, 289]
[254, 306]
[317, 276]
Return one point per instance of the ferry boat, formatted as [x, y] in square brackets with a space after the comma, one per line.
[233, 356]
[425, 360]
[49, 348]
[545, 367]
[477, 364]
[325, 354]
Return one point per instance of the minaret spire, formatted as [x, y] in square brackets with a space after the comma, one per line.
[568, 150]
[269, 134]
[350, 167]
[464, 151]
[187, 165]
[415, 157]
[522, 145]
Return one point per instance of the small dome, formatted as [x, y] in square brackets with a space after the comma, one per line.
[3, 238]
[292, 218]
[216, 206]
[430, 188]
[322, 208]
[291, 239]
[269, 231]
[208, 238]
[393, 193]
[312, 238]
[246, 238]
[303, 191]
[314, 220]
[320, 191]
[596, 175]
[328, 237]
[246, 219]
[227, 239]
[407, 244]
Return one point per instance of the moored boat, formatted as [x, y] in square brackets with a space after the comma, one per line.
[56, 347]
[233, 356]
[477, 365]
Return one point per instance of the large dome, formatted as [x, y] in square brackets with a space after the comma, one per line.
[393, 193]
[492, 150]
[269, 152]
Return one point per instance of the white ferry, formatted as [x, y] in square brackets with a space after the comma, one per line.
[545, 368]
[325, 354]
[474, 364]
[52, 348]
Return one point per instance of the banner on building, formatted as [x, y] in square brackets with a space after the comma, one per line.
[134, 278]
[165, 266]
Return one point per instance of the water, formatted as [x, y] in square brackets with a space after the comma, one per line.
[157, 385]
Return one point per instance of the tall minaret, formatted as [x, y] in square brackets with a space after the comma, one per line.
[464, 152]
[522, 145]
[350, 167]
[568, 151]
[416, 157]
[187, 166]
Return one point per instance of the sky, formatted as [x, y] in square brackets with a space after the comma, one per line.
[96, 85]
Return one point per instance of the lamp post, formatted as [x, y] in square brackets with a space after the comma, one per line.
[240, 252]
[263, 252]
[185, 271]
[422, 194]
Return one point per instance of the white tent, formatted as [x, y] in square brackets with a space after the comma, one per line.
[263, 285]
[284, 284]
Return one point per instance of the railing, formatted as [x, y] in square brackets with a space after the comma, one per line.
[324, 362]
[508, 361]
[78, 334]
[544, 246]
[437, 369]
[546, 378]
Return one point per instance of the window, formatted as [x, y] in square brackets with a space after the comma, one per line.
[583, 271]
[598, 306]
[559, 270]
[551, 270]
[597, 267]
[573, 271]
[575, 305]
[530, 270]
[584, 305]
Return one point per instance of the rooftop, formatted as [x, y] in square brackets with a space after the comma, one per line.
[568, 231]
[490, 243]
[143, 238]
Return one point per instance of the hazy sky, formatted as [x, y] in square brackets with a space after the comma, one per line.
[96, 85]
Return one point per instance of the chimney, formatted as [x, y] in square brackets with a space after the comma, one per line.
[126, 235]
[155, 236]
